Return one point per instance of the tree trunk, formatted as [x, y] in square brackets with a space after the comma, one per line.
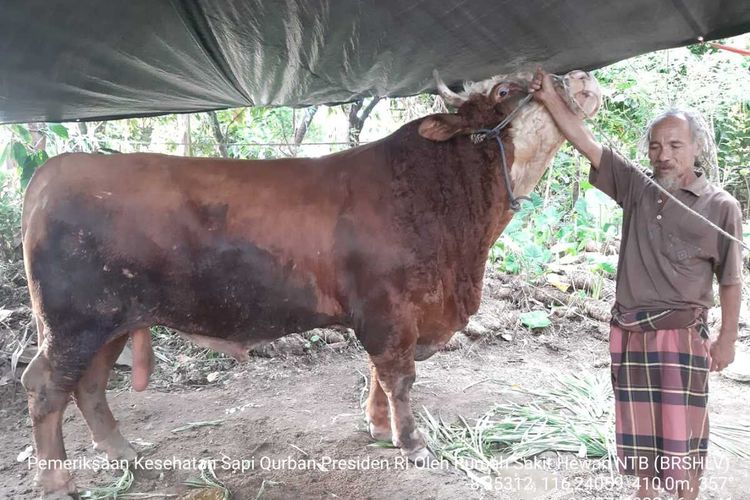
[186, 144]
[38, 138]
[83, 130]
[220, 136]
[357, 117]
[713, 169]
[301, 130]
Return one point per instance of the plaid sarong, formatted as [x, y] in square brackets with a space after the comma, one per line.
[660, 382]
[665, 319]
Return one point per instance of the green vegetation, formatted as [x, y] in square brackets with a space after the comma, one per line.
[10, 215]
[538, 234]
[535, 319]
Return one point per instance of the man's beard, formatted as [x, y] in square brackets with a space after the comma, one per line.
[669, 182]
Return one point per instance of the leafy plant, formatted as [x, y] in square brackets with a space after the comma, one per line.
[536, 235]
[535, 319]
[522, 245]
[10, 214]
[314, 342]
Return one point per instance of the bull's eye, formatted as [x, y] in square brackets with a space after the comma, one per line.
[503, 93]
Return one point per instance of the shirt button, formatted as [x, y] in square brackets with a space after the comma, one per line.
[658, 217]
[658, 201]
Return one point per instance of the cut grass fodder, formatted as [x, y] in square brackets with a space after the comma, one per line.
[116, 489]
[734, 439]
[197, 425]
[574, 416]
[212, 488]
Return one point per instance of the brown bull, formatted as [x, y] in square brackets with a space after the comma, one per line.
[390, 238]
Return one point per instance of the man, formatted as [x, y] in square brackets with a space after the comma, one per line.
[659, 345]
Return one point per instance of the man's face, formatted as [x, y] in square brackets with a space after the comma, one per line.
[672, 153]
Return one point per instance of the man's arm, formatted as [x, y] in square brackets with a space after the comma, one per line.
[569, 124]
[722, 349]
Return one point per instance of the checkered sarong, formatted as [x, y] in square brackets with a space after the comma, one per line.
[665, 319]
[660, 382]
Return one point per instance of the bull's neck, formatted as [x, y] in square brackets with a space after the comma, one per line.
[482, 190]
[537, 140]
[480, 209]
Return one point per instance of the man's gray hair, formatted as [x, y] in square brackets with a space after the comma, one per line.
[701, 133]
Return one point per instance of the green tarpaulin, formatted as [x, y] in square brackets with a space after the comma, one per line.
[86, 59]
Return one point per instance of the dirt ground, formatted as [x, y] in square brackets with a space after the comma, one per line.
[292, 426]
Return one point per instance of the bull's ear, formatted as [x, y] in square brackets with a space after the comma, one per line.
[442, 127]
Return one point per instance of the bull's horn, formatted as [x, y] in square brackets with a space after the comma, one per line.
[447, 94]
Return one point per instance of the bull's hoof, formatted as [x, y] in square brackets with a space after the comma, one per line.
[56, 484]
[116, 447]
[421, 457]
[380, 433]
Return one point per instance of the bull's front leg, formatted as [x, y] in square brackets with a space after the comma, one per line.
[395, 371]
[377, 411]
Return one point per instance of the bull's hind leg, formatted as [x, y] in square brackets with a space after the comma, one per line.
[47, 402]
[377, 409]
[90, 396]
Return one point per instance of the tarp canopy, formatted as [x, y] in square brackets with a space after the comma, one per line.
[92, 59]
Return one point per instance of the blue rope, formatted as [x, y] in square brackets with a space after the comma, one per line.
[484, 134]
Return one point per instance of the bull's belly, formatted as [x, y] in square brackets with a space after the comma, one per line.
[233, 291]
[242, 293]
[227, 314]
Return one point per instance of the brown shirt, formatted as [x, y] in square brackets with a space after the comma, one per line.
[668, 256]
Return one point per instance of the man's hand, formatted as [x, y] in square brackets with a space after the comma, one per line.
[543, 87]
[722, 349]
[722, 353]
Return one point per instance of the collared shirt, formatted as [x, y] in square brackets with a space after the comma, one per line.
[668, 256]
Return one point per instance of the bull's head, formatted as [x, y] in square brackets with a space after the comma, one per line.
[581, 91]
[483, 104]
[534, 134]
[476, 111]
